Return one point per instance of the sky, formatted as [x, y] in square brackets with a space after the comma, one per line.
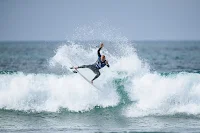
[135, 19]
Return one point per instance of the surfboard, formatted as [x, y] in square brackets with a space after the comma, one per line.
[76, 71]
[72, 64]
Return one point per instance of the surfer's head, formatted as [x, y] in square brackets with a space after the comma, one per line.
[103, 58]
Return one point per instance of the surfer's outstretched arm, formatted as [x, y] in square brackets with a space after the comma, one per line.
[98, 52]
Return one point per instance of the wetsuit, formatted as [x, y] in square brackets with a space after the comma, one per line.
[96, 66]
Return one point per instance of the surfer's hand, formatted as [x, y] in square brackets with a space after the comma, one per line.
[91, 81]
[101, 46]
[107, 64]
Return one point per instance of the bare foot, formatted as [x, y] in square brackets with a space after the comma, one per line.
[91, 82]
[75, 67]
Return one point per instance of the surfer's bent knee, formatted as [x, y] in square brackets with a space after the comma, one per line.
[98, 73]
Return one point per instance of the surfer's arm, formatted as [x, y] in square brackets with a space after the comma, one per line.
[98, 52]
[107, 64]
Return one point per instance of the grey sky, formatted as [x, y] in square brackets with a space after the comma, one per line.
[137, 20]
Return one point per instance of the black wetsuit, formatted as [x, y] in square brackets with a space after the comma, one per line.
[96, 66]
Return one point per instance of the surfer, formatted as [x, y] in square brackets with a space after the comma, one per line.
[100, 63]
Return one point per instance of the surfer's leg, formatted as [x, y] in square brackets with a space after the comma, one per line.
[97, 74]
[84, 66]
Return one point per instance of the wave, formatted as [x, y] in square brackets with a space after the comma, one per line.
[127, 85]
[165, 95]
[42, 92]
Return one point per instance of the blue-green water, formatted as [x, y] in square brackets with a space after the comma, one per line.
[151, 86]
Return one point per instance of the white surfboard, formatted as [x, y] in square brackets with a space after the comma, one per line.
[76, 71]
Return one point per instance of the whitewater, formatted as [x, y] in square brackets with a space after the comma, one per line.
[149, 86]
[148, 92]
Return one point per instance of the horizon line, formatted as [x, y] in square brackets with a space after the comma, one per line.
[139, 40]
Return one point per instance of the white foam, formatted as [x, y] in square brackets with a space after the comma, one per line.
[50, 92]
[164, 95]
[151, 93]
[154, 94]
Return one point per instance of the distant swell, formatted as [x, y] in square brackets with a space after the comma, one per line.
[8, 72]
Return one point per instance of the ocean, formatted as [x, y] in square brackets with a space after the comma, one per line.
[151, 86]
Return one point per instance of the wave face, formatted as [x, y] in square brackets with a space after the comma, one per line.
[128, 84]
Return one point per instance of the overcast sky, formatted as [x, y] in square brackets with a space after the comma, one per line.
[136, 19]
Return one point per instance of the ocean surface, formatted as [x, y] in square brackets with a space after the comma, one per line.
[151, 86]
